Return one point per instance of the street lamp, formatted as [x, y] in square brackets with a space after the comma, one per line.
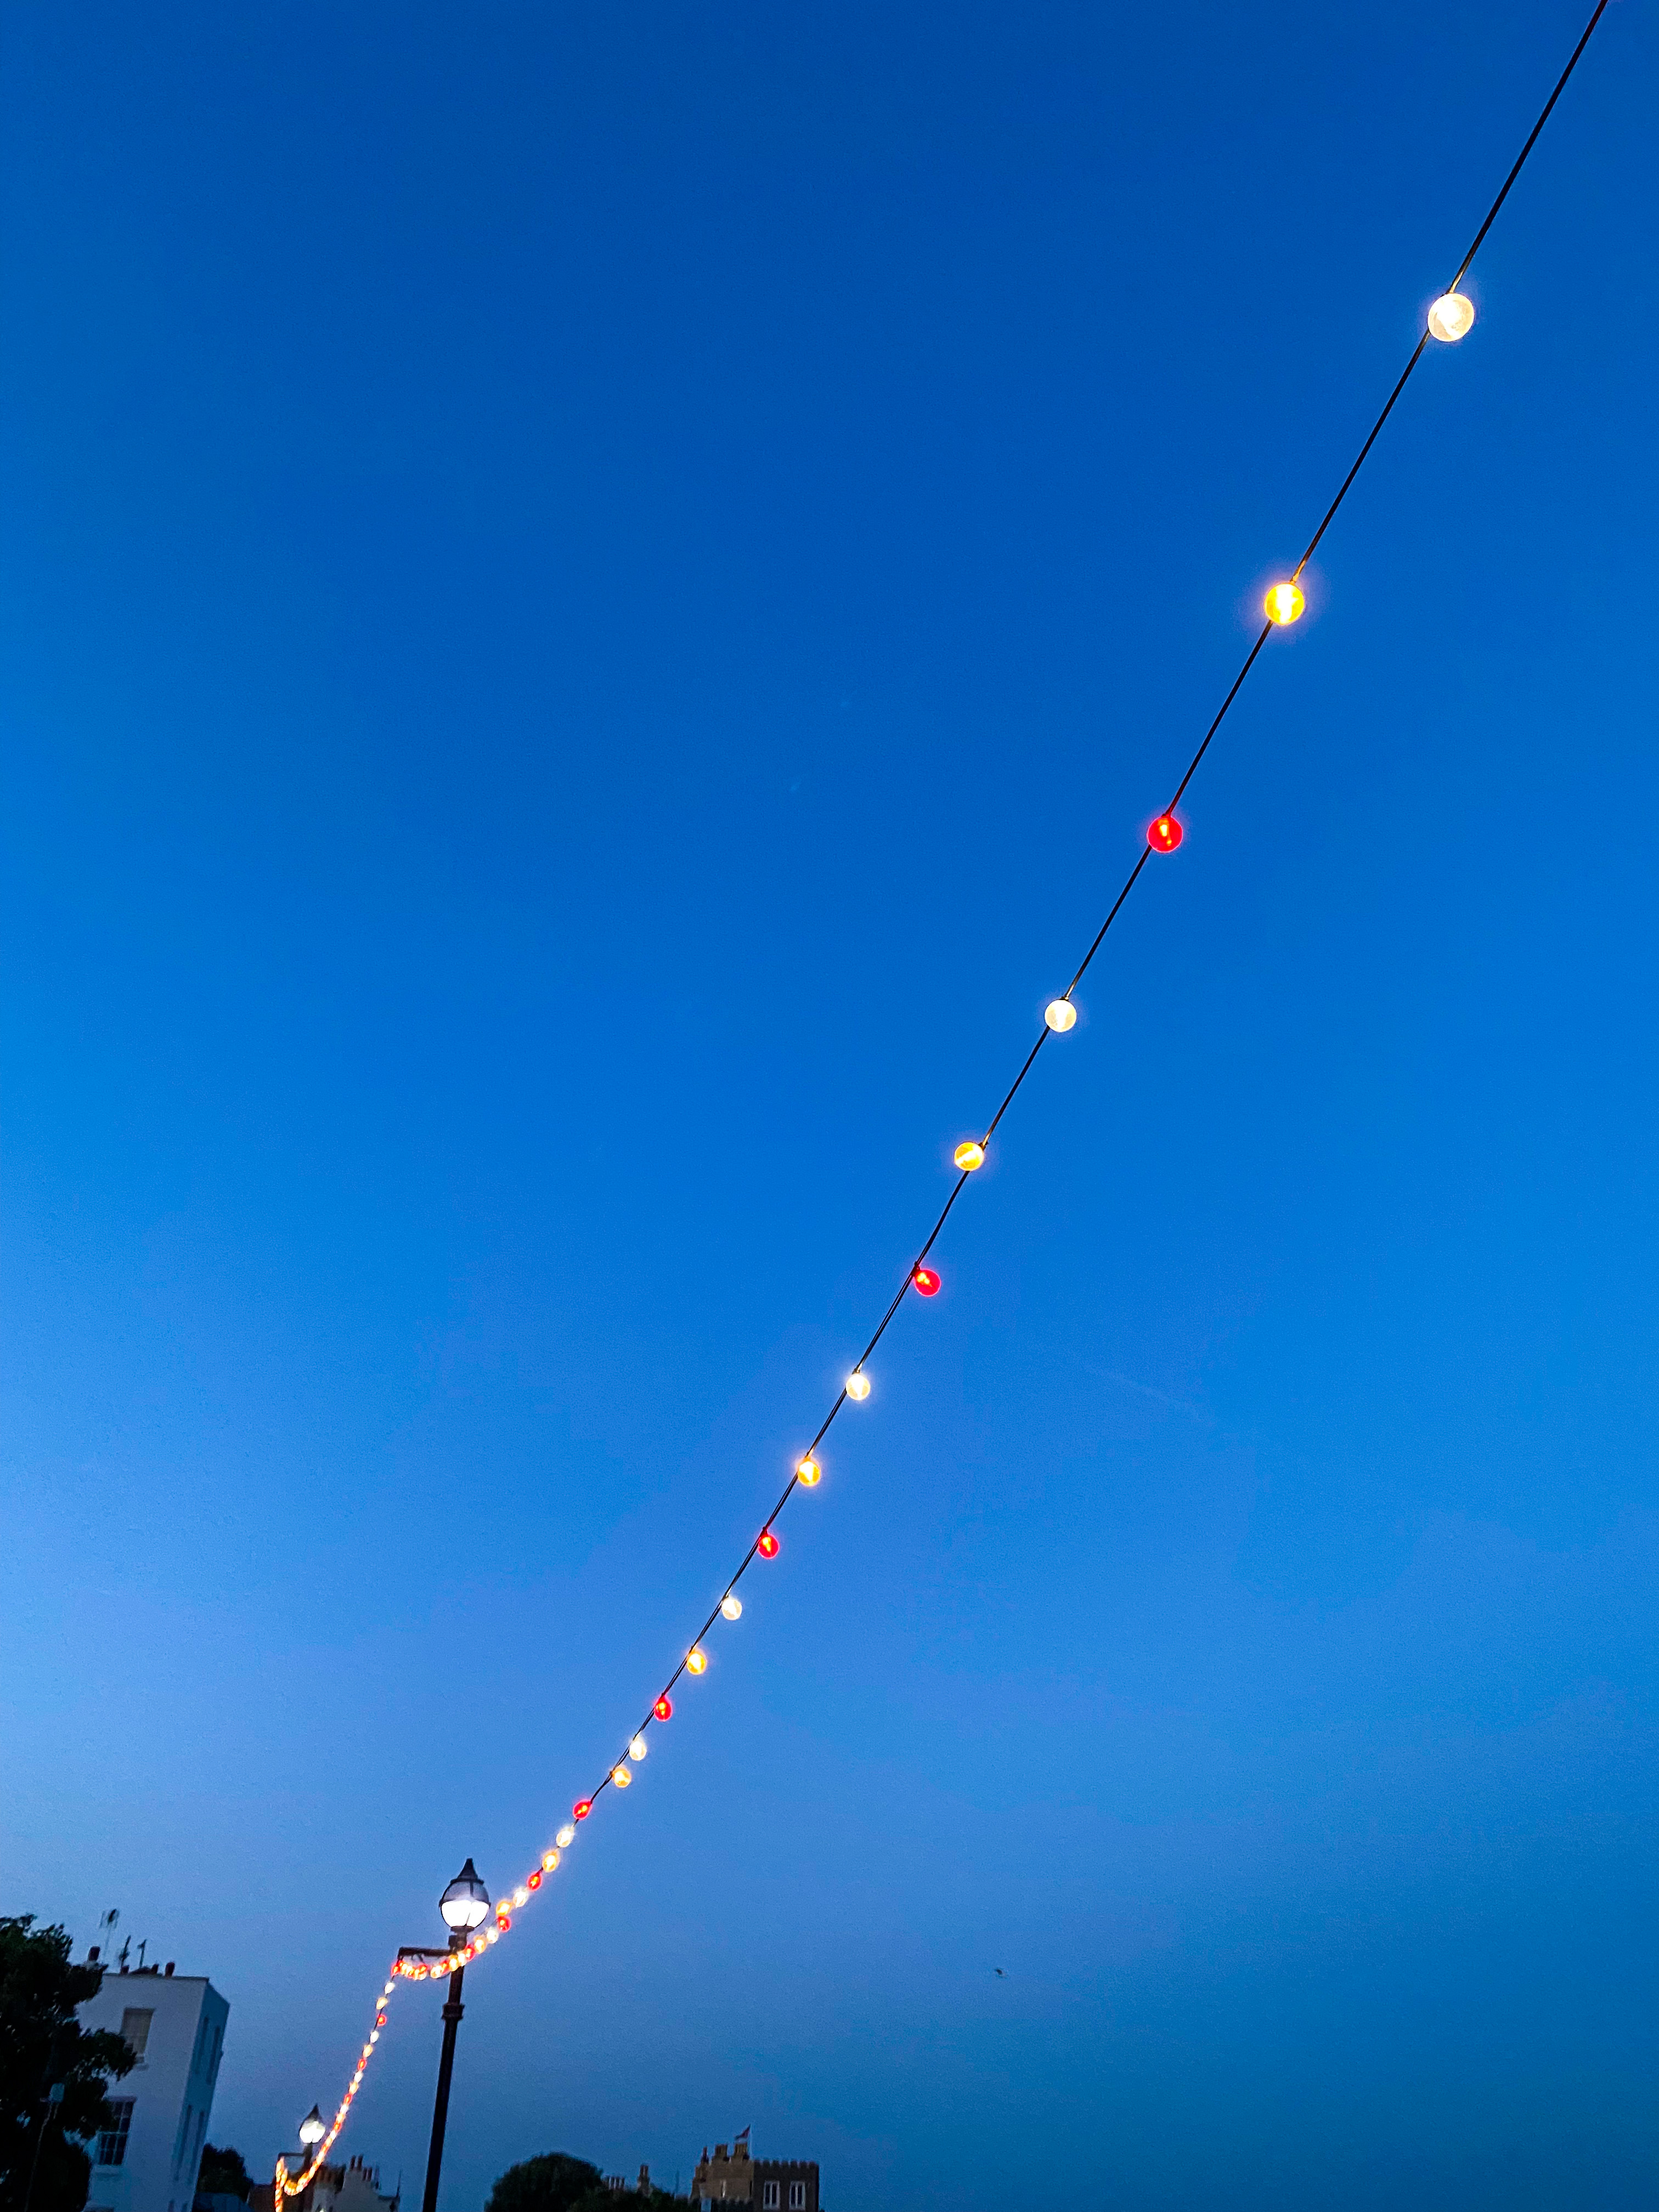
[463, 1904]
[312, 2128]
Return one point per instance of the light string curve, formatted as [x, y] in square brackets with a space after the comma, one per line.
[1450, 319]
[290, 2185]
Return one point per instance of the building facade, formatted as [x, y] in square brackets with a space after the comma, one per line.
[175, 2025]
[354, 2187]
[765, 2184]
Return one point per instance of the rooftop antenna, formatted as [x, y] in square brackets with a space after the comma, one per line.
[142, 1945]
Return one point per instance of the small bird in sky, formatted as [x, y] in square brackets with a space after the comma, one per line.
[997, 1970]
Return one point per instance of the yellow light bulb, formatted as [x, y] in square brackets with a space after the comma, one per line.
[731, 1606]
[808, 1472]
[969, 1157]
[696, 1661]
[549, 1860]
[858, 1387]
[1451, 317]
[622, 1776]
[1284, 605]
[1059, 1014]
[638, 1748]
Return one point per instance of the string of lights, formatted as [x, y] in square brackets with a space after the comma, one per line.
[1448, 319]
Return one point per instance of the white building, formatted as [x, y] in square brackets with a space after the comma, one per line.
[353, 2188]
[175, 2026]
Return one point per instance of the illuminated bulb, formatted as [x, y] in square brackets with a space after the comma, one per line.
[565, 1837]
[696, 1661]
[1165, 834]
[858, 1387]
[808, 1472]
[1284, 605]
[637, 1749]
[375, 2037]
[1059, 1014]
[494, 1935]
[731, 1606]
[549, 1860]
[622, 1776]
[926, 1282]
[768, 1546]
[520, 1896]
[662, 1709]
[534, 1880]
[969, 1157]
[1451, 317]
[581, 1808]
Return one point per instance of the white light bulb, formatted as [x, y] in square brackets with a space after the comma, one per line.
[731, 1606]
[638, 1748]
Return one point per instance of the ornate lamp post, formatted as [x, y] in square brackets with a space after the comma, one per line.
[463, 1904]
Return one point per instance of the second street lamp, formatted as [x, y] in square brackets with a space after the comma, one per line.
[463, 1904]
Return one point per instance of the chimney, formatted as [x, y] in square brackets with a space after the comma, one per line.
[168, 1969]
[92, 1956]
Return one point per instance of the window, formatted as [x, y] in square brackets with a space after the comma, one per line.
[768, 2197]
[181, 2139]
[113, 2140]
[797, 2197]
[135, 2031]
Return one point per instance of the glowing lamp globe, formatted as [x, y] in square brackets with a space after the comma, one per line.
[622, 1776]
[1284, 605]
[926, 1282]
[808, 1472]
[858, 1387]
[969, 1157]
[663, 1709]
[731, 1606]
[1165, 834]
[696, 1661]
[1451, 317]
[312, 2128]
[1059, 1014]
[581, 1808]
[465, 1902]
[637, 1748]
[768, 1546]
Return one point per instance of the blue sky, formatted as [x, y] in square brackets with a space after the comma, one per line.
[595, 602]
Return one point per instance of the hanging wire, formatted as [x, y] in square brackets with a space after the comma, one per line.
[286, 2186]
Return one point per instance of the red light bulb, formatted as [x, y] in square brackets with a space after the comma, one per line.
[581, 1808]
[533, 1881]
[926, 1282]
[662, 1709]
[768, 1546]
[1165, 834]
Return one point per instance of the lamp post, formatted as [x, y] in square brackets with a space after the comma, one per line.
[312, 2129]
[463, 1904]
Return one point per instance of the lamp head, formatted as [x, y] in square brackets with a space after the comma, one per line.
[465, 1902]
[312, 2128]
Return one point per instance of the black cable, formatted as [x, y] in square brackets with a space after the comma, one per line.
[1146, 853]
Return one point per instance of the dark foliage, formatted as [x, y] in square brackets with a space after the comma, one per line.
[552, 2183]
[40, 2044]
[223, 2174]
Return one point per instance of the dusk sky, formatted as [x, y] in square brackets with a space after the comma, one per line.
[596, 600]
